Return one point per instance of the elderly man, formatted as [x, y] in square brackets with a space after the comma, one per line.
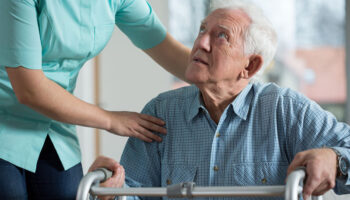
[228, 131]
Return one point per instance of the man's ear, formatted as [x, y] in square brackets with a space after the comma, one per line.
[254, 65]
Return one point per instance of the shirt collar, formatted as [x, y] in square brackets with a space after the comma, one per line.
[240, 105]
[196, 105]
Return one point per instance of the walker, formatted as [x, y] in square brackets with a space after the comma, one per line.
[290, 191]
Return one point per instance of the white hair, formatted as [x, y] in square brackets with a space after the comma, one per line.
[260, 37]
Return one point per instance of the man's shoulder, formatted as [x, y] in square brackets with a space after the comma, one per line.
[173, 101]
[274, 91]
[183, 93]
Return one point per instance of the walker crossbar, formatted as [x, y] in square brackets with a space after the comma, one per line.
[290, 191]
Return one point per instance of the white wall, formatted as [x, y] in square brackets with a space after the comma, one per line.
[129, 79]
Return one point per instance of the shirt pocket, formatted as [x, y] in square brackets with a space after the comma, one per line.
[102, 34]
[263, 173]
[177, 173]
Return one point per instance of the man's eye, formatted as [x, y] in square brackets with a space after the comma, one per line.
[223, 35]
[201, 29]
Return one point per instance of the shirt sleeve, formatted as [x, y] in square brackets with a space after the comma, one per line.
[317, 128]
[343, 184]
[19, 37]
[140, 23]
[141, 161]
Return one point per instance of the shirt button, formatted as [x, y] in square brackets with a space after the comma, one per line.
[218, 134]
[216, 168]
[168, 181]
[264, 180]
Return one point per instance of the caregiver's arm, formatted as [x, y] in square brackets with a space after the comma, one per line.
[34, 89]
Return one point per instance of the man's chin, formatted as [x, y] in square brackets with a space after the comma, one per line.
[195, 76]
[197, 80]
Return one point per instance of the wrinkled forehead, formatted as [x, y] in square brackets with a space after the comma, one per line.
[229, 17]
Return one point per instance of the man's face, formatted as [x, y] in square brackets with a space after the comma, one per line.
[218, 53]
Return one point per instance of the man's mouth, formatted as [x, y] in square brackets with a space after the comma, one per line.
[197, 59]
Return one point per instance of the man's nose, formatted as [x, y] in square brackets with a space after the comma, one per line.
[203, 42]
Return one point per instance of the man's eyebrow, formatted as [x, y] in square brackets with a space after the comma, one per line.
[225, 27]
[203, 22]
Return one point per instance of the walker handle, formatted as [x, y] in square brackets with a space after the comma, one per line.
[98, 175]
[294, 185]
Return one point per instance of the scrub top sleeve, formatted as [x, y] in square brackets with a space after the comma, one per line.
[19, 36]
[139, 22]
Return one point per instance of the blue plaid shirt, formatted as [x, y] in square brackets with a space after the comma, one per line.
[256, 139]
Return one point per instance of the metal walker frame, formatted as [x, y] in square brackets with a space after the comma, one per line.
[290, 191]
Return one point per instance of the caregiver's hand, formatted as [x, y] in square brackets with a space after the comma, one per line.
[137, 125]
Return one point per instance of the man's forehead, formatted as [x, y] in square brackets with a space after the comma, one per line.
[230, 15]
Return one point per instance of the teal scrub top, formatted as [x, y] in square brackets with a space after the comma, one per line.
[58, 37]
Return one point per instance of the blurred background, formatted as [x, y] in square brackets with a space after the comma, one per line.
[311, 58]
